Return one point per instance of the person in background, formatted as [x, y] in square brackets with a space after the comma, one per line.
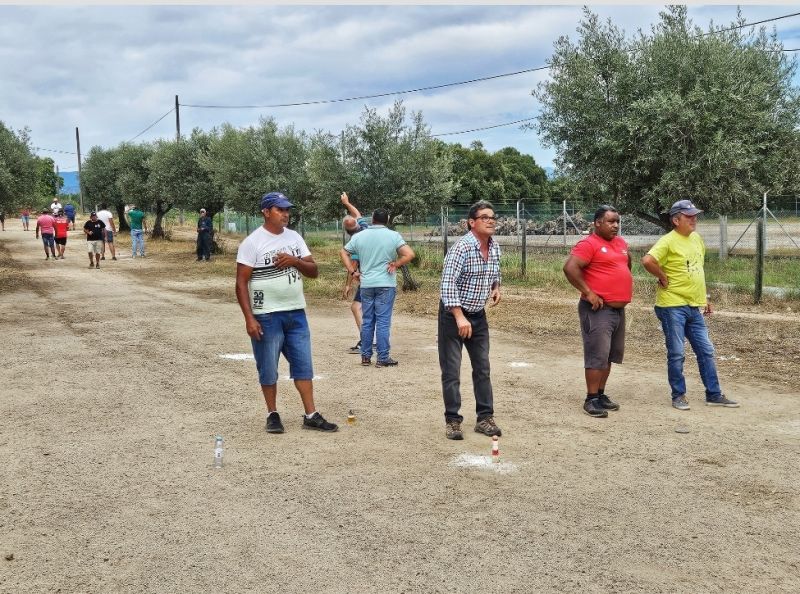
[677, 260]
[138, 225]
[352, 224]
[69, 211]
[26, 218]
[61, 227]
[94, 228]
[107, 217]
[381, 251]
[46, 224]
[55, 206]
[2, 219]
[599, 266]
[205, 232]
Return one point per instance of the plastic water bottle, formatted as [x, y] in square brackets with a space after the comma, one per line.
[219, 451]
[351, 417]
[495, 450]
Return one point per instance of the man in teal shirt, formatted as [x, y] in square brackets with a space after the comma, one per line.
[378, 248]
[138, 223]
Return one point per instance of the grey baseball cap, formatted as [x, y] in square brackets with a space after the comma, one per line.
[684, 207]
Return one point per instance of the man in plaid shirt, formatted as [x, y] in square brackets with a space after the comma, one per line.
[470, 277]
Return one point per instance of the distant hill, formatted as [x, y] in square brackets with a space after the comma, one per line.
[70, 182]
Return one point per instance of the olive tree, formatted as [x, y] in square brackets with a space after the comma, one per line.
[674, 113]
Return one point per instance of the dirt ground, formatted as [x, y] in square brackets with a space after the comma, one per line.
[113, 387]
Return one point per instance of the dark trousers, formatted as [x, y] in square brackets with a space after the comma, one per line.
[204, 245]
[450, 348]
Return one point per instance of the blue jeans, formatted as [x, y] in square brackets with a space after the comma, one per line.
[137, 238]
[687, 322]
[376, 319]
[285, 332]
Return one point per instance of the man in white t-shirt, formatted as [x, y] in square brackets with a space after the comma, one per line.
[270, 266]
[55, 206]
[107, 217]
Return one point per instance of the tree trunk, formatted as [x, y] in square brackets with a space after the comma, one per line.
[663, 220]
[122, 222]
[161, 210]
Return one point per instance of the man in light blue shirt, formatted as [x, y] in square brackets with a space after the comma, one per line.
[381, 252]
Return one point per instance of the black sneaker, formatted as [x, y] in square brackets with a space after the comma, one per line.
[593, 408]
[388, 363]
[274, 424]
[317, 422]
[607, 403]
[366, 361]
[355, 350]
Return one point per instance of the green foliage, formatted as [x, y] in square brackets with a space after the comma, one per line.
[503, 177]
[672, 114]
[245, 164]
[47, 182]
[18, 168]
[386, 162]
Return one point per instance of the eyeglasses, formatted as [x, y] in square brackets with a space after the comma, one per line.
[485, 218]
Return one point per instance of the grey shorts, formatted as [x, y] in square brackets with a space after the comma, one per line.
[603, 333]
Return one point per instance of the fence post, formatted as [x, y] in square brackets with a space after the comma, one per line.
[247, 224]
[760, 245]
[723, 237]
[564, 219]
[412, 228]
[524, 240]
[444, 230]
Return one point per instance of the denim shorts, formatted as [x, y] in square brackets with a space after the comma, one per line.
[48, 239]
[109, 237]
[284, 332]
[357, 296]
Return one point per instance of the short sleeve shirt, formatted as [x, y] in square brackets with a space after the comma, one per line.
[681, 258]
[136, 216]
[273, 289]
[95, 229]
[607, 272]
[46, 224]
[105, 216]
[61, 227]
[376, 246]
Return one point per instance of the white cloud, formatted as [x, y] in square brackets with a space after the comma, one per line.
[113, 70]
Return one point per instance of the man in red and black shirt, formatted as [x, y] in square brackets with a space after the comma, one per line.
[600, 268]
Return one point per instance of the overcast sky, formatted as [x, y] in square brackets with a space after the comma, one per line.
[112, 71]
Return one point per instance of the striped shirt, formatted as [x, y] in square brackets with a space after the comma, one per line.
[467, 279]
[271, 288]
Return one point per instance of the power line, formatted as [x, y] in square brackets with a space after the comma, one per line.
[39, 148]
[440, 86]
[484, 127]
[785, 16]
[377, 95]
[151, 125]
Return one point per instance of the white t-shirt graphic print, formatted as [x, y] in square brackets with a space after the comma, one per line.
[271, 288]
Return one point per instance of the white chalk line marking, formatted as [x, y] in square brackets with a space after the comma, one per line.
[519, 364]
[238, 356]
[482, 463]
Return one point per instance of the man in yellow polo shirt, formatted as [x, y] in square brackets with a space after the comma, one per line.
[676, 260]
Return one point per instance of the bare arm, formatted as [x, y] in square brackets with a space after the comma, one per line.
[406, 255]
[573, 270]
[354, 212]
[652, 266]
[252, 325]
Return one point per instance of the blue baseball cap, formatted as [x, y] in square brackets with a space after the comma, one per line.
[275, 199]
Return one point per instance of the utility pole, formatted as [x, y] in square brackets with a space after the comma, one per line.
[177, 119]
[80, 177]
